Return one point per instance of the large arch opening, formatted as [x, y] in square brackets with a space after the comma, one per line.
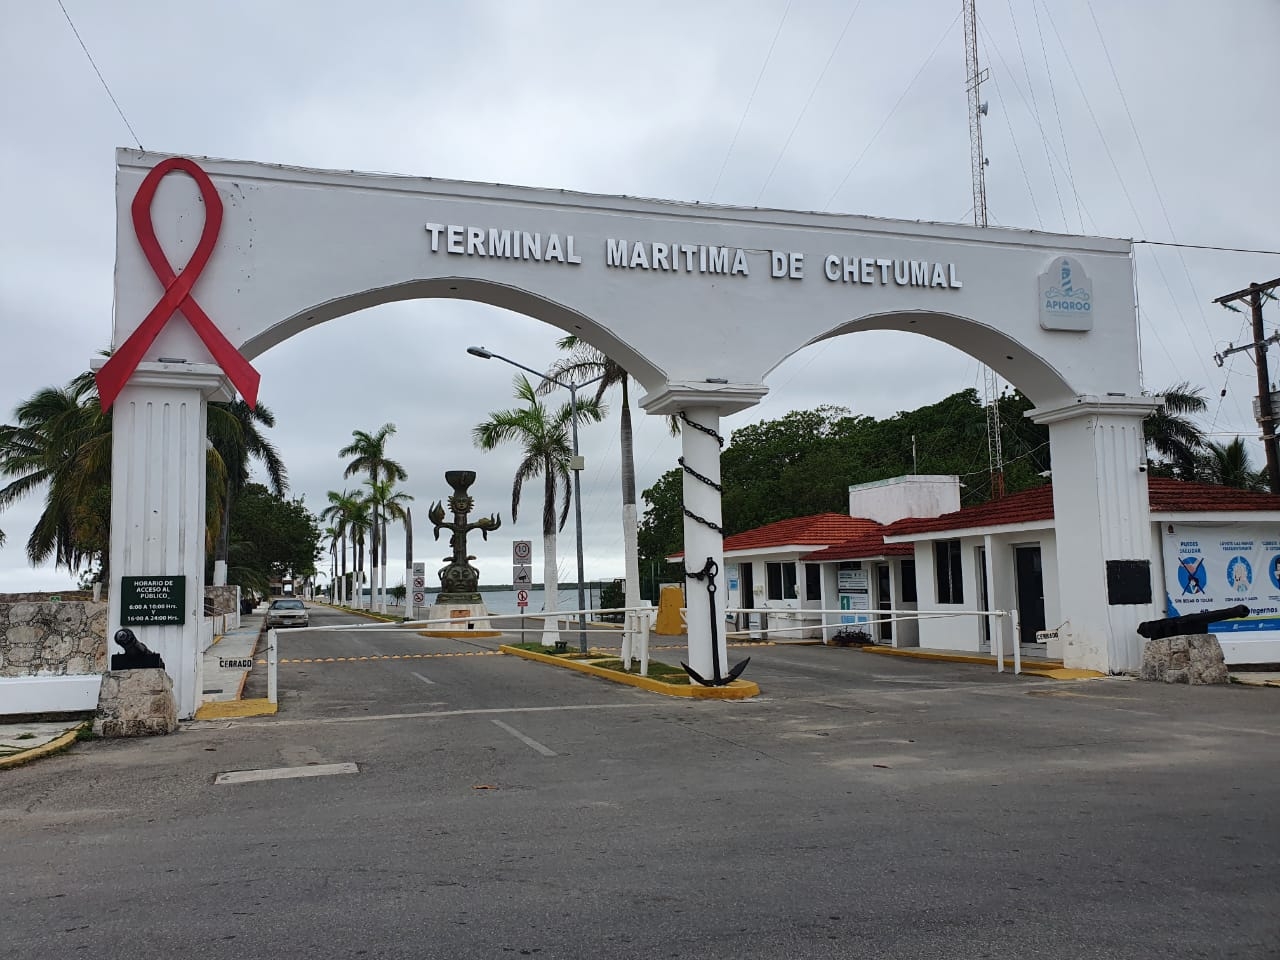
[1029, 372]
[504, 296]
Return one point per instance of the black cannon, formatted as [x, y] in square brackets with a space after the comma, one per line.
[1197, 622]
[136, 656]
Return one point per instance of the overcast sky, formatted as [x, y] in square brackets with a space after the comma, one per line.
[1144, 119]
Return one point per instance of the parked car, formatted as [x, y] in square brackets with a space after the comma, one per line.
[288, 612]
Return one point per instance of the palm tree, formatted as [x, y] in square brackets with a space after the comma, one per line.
[233, 431]
[369, 455]
[332, 536]
[342, 508]
[547, 449]
[1229, 465]
[583, 364]
[389, 504]
[61, 442]
[1170, 430]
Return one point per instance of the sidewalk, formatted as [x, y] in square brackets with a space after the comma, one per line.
[226, 668]
[20, 742]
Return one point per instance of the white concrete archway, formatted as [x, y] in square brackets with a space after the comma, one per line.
[698, 302]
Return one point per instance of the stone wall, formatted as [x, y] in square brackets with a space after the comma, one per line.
[41, 597]
[52, 639]
[220, 600]
[1196, 658]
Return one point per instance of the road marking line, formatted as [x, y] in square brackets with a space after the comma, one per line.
[527, 741]
[443, 714]
[424, 679]
[286, 773]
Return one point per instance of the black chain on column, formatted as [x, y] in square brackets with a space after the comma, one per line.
[698, 476]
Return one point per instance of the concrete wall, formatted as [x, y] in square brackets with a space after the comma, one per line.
[913, 496]
[52, 655]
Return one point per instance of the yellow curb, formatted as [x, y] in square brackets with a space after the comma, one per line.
[1050, 669]
[735, 690]
[45, 749]
[232, 709]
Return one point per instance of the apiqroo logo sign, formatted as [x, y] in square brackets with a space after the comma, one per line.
[1066, 296]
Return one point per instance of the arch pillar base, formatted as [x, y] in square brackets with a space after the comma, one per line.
[158, 457]
[1101, 515]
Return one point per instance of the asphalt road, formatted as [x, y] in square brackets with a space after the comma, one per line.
[863, 806]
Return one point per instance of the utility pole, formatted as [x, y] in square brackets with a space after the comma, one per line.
[974, 76]
[1266, 414]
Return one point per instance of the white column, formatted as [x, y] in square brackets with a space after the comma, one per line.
[158, 457]
[702, 453]
[703, 402]
[1101, 514]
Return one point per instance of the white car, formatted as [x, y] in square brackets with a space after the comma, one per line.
[288, 612]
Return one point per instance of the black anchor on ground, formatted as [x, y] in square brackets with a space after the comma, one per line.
[708, 573]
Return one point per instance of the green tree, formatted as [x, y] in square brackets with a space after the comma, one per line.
[272, 536]
[1229, 465]
[369, 456]
[661, 532]
[339, 513]
[235, 435]
[1172, 433]
[60, 443]
[544, 436]
[805, 461]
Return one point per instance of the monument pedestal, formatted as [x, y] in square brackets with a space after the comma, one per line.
[459, 611]
[136, 703]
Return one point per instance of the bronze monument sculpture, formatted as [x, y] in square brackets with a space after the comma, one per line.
[459, 581]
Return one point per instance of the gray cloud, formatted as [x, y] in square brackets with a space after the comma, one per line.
[642, 101]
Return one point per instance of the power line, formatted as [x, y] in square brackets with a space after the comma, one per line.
[1207, 246]
[751, 99]
[805, 109]
[101, 79]
[929, 59]
[1048, 71]
[1031, 88]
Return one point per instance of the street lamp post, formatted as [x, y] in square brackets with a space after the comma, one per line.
[572, 387]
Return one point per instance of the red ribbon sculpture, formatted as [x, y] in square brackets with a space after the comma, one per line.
[115, 373]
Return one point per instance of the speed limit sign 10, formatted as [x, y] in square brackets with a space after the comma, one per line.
[521, 551]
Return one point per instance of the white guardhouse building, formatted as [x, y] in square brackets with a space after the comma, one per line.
[1213, 547]
[775, 570]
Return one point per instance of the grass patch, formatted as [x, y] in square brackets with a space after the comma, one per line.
[663, 672]
[25, 736]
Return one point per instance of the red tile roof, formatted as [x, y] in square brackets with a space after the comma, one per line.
[1029, 506]
[1178, 496]
[818, 530]
[862, 547]
[1036, 506]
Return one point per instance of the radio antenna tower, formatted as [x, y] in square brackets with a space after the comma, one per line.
[974, 76]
